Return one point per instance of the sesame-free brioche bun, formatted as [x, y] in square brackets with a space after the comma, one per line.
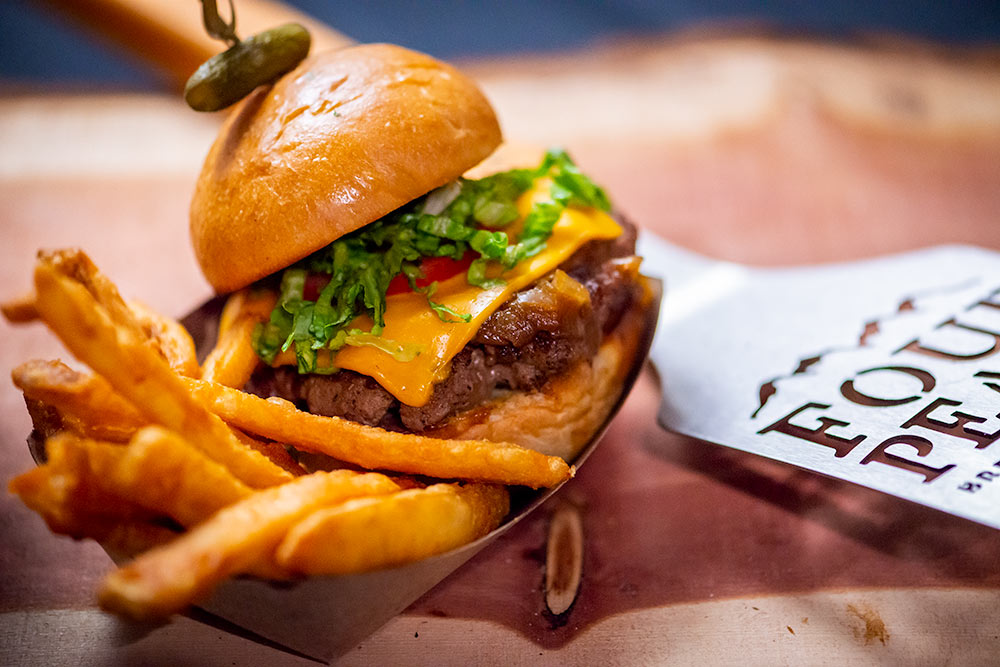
[345, 138]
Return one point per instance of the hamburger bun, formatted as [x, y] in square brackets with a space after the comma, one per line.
[335, 144]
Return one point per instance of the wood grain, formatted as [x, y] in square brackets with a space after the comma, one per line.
[744, 149]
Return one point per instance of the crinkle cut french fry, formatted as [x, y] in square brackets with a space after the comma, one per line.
[63, 493]
[170, 336]
[89, 407]
[114, 493]
[372, 533]
[76, 265]
[106, 338]
[87, 403]
[59, 491]
[233, 360]
[374, 448]
[156, 475]
[249, 303]
[20, 310]
[236, 539]
[160, 472]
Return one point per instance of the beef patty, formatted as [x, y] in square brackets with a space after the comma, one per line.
[537, 334]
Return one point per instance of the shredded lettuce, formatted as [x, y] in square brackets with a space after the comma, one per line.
[464, 216]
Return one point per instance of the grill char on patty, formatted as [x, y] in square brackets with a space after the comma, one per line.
[539, 333]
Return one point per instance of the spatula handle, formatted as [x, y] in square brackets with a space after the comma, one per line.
[170, 35]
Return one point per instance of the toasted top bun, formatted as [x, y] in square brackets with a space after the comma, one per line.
[345, 138]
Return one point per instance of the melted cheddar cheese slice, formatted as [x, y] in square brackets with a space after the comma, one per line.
[411, 323]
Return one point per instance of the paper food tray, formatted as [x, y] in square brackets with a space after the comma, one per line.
[323, 617]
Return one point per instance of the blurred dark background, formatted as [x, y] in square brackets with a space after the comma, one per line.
[39, 47]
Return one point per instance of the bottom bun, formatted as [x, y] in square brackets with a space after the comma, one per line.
[564, 414]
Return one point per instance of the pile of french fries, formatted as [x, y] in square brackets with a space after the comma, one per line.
[168, 463]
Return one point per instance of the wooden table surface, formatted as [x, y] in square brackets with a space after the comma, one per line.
[753, 151]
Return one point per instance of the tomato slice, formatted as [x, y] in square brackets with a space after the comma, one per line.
[435, 269]
[315, 282]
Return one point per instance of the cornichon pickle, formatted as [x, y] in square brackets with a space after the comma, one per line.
[231, 75]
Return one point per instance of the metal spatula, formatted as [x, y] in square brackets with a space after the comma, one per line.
[884, 372]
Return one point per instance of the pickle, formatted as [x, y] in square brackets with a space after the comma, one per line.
[230, 76]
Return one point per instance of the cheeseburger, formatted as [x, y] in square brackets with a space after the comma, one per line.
[408, 294]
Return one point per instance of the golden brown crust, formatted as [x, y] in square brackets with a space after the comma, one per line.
[562, 416]
[345, 138]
